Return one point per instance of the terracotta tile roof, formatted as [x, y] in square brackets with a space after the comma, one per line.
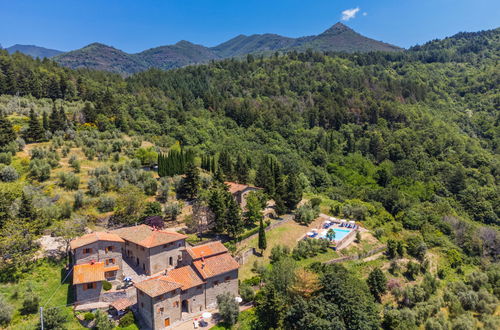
[157, 286]
[236, 187]
[145, 236]
[94, 237]
[206, 250]
[216, 265]
[87, 273]
[186, 276]
[122, 304]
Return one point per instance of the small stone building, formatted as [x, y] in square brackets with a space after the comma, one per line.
[240, 192]
[99, 247]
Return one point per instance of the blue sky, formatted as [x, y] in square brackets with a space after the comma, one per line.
[137, 25]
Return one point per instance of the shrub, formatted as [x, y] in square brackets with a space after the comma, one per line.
[106, 285]
[69, 181]
[228, 308]
[306, 214]
[150, 186]
[94, 188]
[246, 292]
[278, 252]
[412, 270]
[8, 174]
[102, 322]
[53, 318]
[89, 316]
[30, 304]
[79, 200]
[127, 319]
[310, 248]
[5, 312]
[5, 158]
[106, 204]
[39, 169]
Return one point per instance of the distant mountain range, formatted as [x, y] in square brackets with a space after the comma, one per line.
[97, 56]
[34, 51]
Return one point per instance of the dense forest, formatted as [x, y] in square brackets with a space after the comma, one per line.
[409, 139]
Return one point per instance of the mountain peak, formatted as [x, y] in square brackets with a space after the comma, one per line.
[337, 28]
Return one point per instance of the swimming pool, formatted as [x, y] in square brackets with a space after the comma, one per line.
[339, 233]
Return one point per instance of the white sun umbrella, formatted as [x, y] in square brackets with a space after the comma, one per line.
[238, 300]
[352, 221]
[315, 230]
[206, 315]
[310, 233]
[343, 220]
[328, 221]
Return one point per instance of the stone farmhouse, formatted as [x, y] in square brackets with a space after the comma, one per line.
[179, 278]
[240, 192]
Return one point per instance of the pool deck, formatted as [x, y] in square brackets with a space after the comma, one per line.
[346, 240]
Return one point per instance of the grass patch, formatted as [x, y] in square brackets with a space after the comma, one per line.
[45, 281]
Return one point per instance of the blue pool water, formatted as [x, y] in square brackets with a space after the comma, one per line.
[339, 233]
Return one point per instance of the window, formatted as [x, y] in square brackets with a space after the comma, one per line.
[216, 283]
[110, 261]
[227, 278]
[89, 286]
[109, 249]
[176, 304]
[87, 251]
[161, 309]
[109, 274]
[170, 261]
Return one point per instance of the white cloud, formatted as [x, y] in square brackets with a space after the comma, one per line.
[365, 13]
[349, 13]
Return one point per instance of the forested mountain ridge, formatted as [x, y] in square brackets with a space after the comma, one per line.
[34, 51]
[337, 38]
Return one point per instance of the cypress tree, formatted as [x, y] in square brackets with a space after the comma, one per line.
[7, 133]
[262, 236]
[63, 120]
[217, 206]
[293, 193]
[54, 123]
[233, 216]
[191, 183]
[34, 132]
[26, 210]
[45, 121]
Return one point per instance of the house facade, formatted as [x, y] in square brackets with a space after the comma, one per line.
[182, 279]
[96, 257]
[152, 250]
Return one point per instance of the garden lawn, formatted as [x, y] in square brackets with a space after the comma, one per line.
[286, 234]
[44, 280]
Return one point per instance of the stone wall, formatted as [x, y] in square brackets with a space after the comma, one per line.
[155, 259]
[161, 256]
[171, 304]
[89, 295]
[145, 308]
[99, 253]
[195, 298]
[223, 285]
